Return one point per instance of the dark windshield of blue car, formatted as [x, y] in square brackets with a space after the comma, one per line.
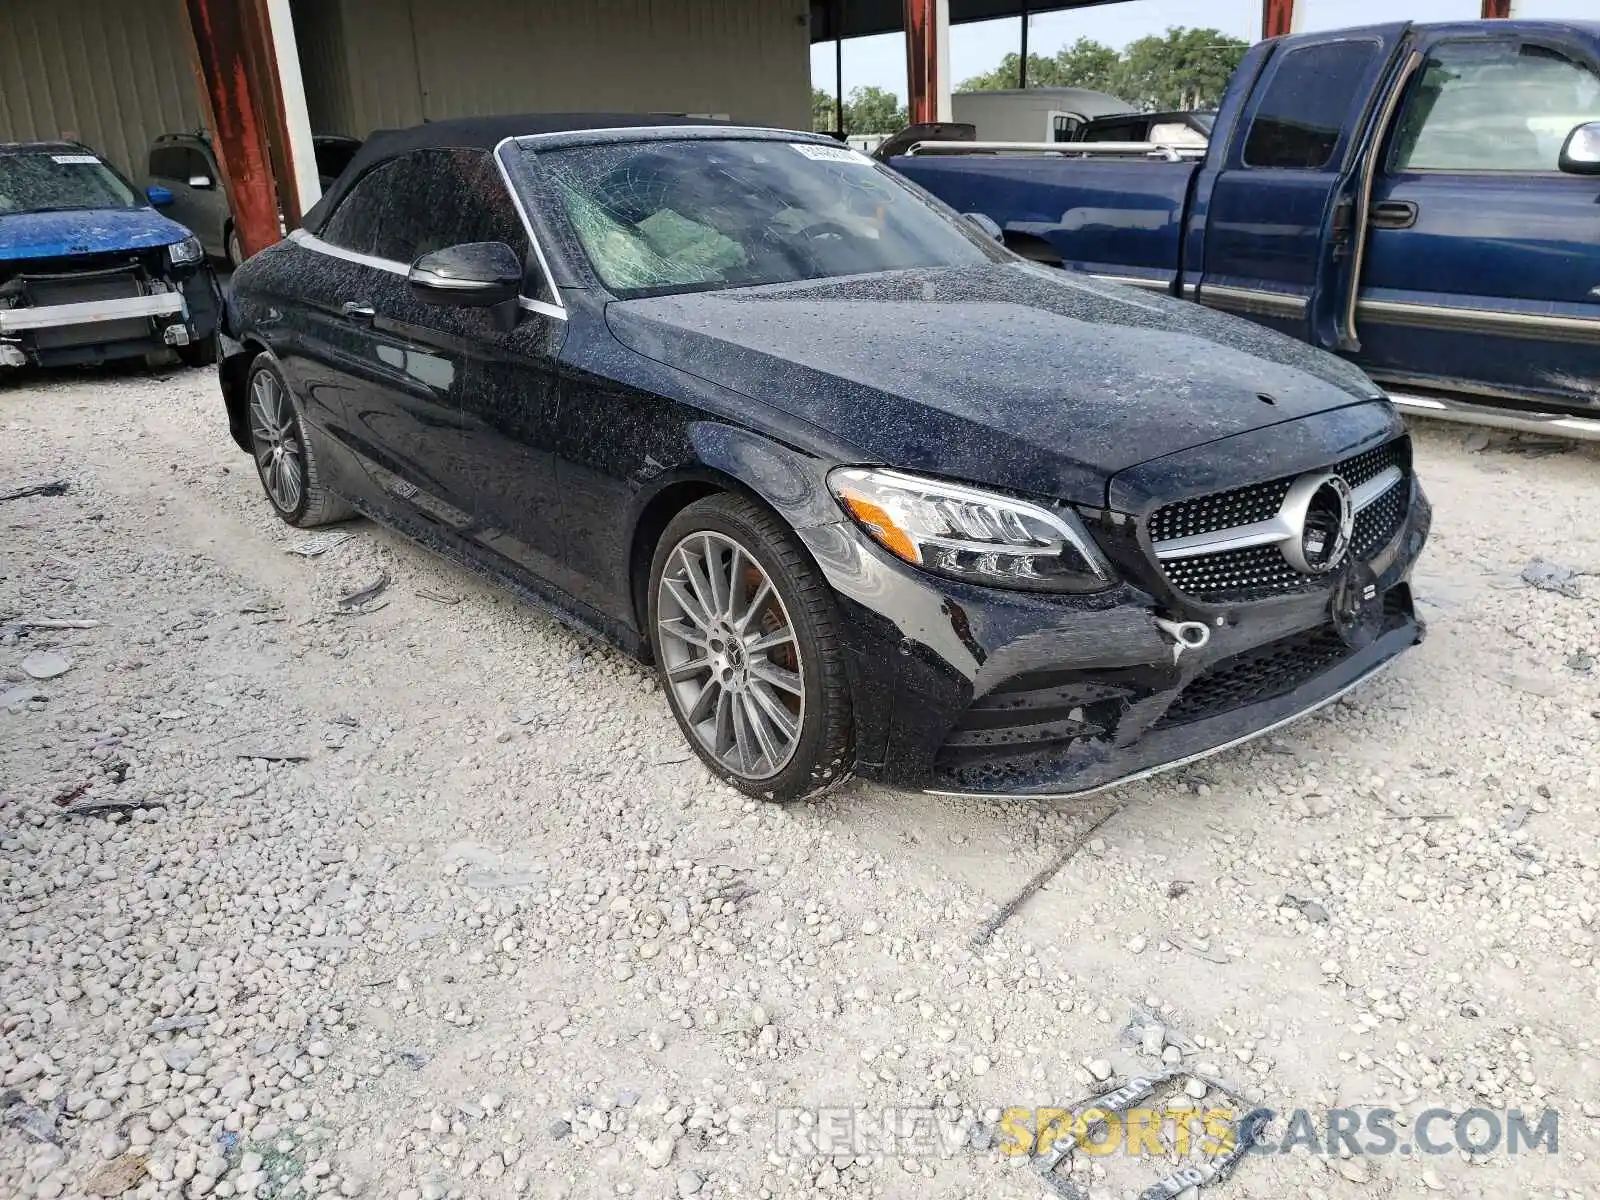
[61, 181]
[700, 214]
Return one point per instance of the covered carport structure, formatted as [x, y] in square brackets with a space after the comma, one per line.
[263, 76]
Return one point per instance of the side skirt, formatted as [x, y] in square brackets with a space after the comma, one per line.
[572, 613]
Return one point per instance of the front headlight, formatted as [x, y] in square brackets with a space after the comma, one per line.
[186, 253]
[977, 536]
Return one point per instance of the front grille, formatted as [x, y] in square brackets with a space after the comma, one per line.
[65, 289]
[1220, 510]
[1377, 523]
[1237, 574]
[79, 289]
[1258, 572]
[1264, 673]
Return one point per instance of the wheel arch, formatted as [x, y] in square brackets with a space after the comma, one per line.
[788, 484]
[1033, 248]
[234, 372]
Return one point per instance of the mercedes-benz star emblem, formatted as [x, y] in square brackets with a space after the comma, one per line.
[1321, 510]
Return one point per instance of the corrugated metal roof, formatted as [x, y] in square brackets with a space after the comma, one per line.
[859, 18]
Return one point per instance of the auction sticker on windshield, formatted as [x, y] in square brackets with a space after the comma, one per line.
[75, 160]
[832, 154]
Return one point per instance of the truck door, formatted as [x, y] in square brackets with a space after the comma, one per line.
[1279, 214]
[1482, 266]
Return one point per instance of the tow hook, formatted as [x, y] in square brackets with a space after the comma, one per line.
[1185, 635]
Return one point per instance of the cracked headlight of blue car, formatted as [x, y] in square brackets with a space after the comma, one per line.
[186, 253]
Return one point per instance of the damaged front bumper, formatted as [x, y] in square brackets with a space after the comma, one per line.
[972, 691]
[120, 318]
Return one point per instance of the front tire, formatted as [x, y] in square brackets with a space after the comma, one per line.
[747, 648]
[286, 456]
[234, 251]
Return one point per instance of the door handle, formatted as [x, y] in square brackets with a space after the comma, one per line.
[357, 311]
[1393, 214]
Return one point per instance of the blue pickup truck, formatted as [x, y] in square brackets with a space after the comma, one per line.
[89, 270]
[1421, 199]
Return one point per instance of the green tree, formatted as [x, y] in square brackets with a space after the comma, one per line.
[822, 111]
[866, 110]
[873, 110]
[1085, 64]
[1185, 68]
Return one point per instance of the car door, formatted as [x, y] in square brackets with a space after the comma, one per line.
[210, 200]
[1482, 267]
[502, 461]
[1279, 214]
[449, 410]
[390, 400]
[172, 166]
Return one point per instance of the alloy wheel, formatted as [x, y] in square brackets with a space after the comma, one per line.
[730, 655]
[280, 457]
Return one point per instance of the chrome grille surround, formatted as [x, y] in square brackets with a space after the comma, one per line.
[1221, 548]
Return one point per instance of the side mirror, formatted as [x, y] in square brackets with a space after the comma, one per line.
[200, 183]
[986, 223]
[1581, 154]
[159, 197]
[473, 275]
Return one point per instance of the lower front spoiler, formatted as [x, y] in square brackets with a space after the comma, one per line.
[1168, 749]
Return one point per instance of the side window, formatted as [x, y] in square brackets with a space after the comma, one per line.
[1492, 106]
[166, 162]
[425, 201]
[450, 197]
[1299, 120]
[361, 215]
[196, 164]
[1064, 126]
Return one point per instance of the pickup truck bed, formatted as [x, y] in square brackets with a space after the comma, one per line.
[1421, 199]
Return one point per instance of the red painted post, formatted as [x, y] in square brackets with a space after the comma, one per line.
[922, 60]
[1496, 10]
[228, 58]
[1277, 18]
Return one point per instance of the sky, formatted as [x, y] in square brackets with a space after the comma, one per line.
[976, 48]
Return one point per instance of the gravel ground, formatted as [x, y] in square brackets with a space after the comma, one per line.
[491, 932]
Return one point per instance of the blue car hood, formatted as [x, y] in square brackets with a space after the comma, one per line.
[84, 231]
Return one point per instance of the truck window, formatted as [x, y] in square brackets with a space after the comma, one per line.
[1493, 106]
[1301, 115]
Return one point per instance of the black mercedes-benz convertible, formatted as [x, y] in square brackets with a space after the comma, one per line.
[874, 495]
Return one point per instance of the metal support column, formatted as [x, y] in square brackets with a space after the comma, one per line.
[1022, 68]
[928, 59]
[1496, 10]
[236, 46]
[838, 66]
[1277, 18]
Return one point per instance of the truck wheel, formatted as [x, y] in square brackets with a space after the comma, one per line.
[234, 250]
[199, 354]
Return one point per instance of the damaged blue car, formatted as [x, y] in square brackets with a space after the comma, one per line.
[89, 270]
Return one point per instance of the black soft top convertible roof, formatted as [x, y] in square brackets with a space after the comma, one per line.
[475, 133]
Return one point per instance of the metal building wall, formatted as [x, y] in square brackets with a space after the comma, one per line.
[319, 35]
[112, 73]
[410, 60]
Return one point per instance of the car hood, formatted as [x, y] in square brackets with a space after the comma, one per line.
[1007, 374]
[84, 231]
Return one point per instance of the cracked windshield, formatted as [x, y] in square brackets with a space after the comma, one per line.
[696, 215]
